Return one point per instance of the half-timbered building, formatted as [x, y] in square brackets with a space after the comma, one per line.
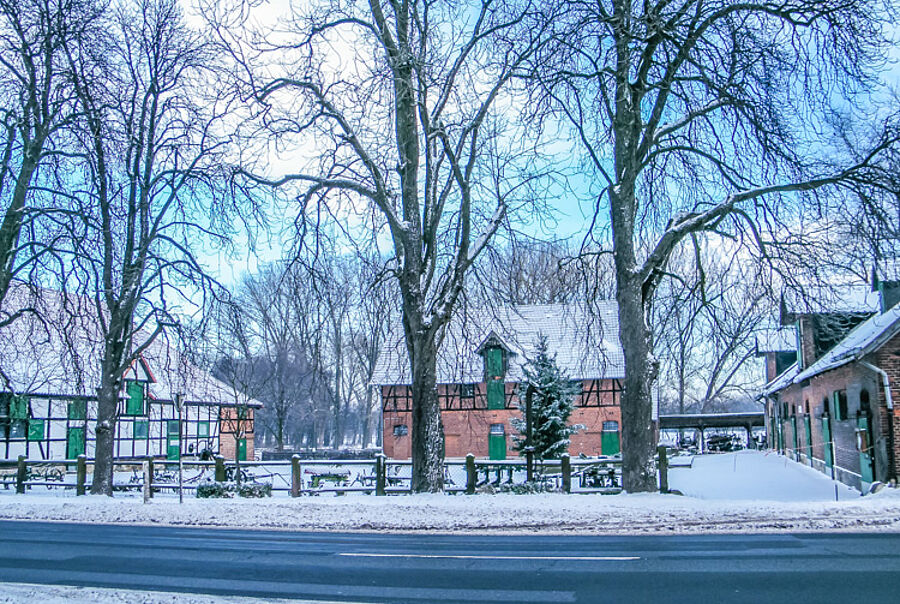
[49, 359]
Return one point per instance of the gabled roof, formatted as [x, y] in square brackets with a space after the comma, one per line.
[586, 343]
[56, 352]
[865, 338]
[856, 298]
[782, 339]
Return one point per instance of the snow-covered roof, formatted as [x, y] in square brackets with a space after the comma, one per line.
[585, 341]
[860, 341]
[55, 351]
[782, 339]
[827, 298]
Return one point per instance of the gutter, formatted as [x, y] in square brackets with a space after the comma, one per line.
[886, 382]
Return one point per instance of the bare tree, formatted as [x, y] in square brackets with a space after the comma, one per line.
[149, 159]
[36, 103]
[409, 127]
[706, 117]
[705, 323]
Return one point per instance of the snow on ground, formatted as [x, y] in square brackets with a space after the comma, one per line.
[64, 594]
[743, 492]
[755, 475]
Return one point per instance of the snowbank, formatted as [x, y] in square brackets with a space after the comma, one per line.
[724, 500]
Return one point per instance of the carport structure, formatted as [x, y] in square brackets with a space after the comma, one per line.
[701, 421]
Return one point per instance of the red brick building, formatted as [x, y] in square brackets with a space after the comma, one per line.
[833, 408]
[480, 365]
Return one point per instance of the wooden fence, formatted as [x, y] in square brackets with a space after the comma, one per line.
[296, 477]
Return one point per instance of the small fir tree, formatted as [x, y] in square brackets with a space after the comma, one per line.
[551, 406]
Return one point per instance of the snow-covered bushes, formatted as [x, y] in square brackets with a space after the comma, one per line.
[223, 490]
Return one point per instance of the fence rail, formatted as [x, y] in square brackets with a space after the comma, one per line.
[379, 476]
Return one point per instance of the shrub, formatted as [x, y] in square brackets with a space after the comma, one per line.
[215, 490]
[256, 489]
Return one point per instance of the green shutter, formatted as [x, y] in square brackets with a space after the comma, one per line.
[74, 443]
[496, 394]
[134, 404]
[809, 448]
[202, 429]
[18, 407]
[494, 362]
[173, 442]
[141, 429]
[826, 438]
[36, 429]
[77, 410]
[866, 471]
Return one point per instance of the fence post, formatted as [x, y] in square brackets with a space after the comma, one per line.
[80, 474]
[663, 469]
[471, 474]
[296, 477]
[148, 478]
[152, 472]
[380, 468]
[566, 473]
[220, 468]
[21, 474]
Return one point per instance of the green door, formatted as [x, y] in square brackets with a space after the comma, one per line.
[864, 436]
[497, 442]
[809, 450]
[796, 450]
[173, 440]
[609, 439]
[826, 441]
[74, 442]
[242, 449]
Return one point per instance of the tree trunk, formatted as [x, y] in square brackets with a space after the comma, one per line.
[107, 410]
[11, 228]
[427, 427]
[637, 344]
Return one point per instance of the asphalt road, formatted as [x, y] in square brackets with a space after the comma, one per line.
[456, 568]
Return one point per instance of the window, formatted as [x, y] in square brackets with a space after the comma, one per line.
[202, 429]
[17, 428]
[610, 426]
[864, 402]
[839, 405]
[141, 429]
[467, 390]
[36, 429]
[401, 430]
[498, 430]
[134, 402]
[77, 410]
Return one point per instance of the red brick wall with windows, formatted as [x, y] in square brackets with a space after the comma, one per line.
[467, 420]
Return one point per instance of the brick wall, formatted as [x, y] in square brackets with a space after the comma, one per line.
[467, 430]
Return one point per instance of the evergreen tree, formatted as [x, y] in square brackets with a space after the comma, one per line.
[551, 406]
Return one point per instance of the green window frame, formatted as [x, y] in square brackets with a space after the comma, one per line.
[839, 404]
[203, 429]
[172, 429]
[134, 402]
[36, 428]
[141, 429]
[77, 410]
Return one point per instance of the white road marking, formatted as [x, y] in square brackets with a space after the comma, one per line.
[473, 557]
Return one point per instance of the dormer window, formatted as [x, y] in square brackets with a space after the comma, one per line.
[494, 371]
